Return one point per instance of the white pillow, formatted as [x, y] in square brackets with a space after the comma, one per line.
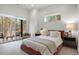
[55, 34]
[44, 32]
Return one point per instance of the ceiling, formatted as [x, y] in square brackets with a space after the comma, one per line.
[37, 6]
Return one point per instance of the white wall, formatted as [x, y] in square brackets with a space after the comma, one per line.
[33, 21]
[78, 27]
[78, 15]
[68, 13]
[14, 10]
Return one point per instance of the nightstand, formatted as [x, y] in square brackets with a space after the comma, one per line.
[70, 42]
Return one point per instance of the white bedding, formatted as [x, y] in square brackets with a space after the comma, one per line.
[48, 47]
[57, 40]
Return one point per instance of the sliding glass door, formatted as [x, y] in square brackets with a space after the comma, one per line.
[11, 29]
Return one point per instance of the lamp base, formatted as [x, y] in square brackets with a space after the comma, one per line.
[70, 33]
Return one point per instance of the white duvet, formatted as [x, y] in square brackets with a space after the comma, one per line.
[46, 45]
[57, 40]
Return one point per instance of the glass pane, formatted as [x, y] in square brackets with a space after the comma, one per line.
[12, 28]
[25, 34]
[1, 29]
[8, 28]
[18, 28]
[24, 26]
[0, 24]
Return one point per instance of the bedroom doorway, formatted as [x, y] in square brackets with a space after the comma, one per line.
[11, 29]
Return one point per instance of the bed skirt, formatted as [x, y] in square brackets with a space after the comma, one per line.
[31, 51]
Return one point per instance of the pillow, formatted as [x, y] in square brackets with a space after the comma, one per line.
[44, 32]
[55, 34]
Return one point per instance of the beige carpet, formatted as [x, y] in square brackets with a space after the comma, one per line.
[68, 51]
[13, 48]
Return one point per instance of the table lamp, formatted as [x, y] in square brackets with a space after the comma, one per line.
[70, 27]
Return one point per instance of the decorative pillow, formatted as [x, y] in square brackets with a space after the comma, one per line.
[44, 32]
[55, 34]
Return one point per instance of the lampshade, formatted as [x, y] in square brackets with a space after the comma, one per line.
[71, 26]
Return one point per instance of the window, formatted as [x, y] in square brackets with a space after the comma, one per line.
[11, 28]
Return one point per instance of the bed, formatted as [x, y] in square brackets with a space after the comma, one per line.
[43, 45]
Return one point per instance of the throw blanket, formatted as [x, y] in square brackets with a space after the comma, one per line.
[44, 46]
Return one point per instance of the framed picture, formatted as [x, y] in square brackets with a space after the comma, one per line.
[50, 18]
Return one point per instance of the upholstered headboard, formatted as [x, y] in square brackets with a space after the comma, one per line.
[62, 32]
